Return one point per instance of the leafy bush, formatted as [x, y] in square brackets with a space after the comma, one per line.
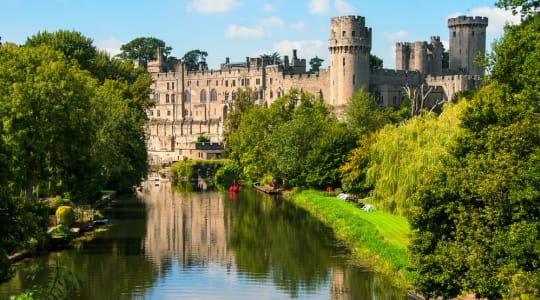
[65, 215]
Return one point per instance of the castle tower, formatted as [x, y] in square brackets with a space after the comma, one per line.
[435, 63]
[349, 46]
[467, 39]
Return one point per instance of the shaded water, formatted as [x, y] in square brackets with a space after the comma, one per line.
[166, 245]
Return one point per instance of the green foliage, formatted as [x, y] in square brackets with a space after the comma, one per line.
[364, 115]
[194, 58]
[375, 62]
[65, 215]
[523, 6]
[353, 171]
[314, 64]
[143, 48]
[271, 59]
[371, 234]
[226, 175]
[203, 139]
[477, 215]
[402, 156]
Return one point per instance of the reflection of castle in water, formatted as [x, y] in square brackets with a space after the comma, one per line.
[186, 227]
[195, 229]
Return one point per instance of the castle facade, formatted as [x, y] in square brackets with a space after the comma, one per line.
[189, 104]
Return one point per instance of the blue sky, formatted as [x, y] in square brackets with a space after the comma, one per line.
[240, 28]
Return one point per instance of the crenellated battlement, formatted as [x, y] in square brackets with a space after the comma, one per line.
[359, 20]
[467, 21]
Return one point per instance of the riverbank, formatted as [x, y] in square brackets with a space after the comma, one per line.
[377, 237]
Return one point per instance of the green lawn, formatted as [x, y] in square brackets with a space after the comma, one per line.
[377, 235]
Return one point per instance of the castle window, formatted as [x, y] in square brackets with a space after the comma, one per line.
[242, 82]
[167, 85]
[261, 94]
[156, 97]
[172, 98]
[271, 95]
[168, 113]
[213, 95]
[187, 96]
[472, 33]
[247, 81]
[454, 34]
[344, 61]
[151, 112]
[217, 82]
[166, 98]
[233, 96]
[172, 85]
[354, 79]
[226, 83]
[226, 96]
[158, 113]
[208, 82]
[257, 81]
[343, 33]
[203, 96]
[234, 82]
[353, 33]
[197, 83]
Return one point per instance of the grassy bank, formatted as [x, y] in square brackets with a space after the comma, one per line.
[379, 237]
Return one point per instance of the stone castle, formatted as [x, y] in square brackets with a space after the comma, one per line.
[189, 104]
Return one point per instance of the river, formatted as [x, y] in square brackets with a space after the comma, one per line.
[162, 244]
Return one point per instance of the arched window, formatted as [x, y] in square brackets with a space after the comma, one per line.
[203, 96]
[187, 96]
[226, 96]
[172, 98]
[213, 95]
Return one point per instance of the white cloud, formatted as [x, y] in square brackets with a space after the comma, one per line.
[212, 6]
[306, 49]
[396, 36]
[299, 26]
[268, 8]
[242, 32]
[319, 7]
[111, 46]
[497, 18]
[344, 8]
[272, 22]
[446, 44]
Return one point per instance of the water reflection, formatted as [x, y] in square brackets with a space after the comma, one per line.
[169, 245]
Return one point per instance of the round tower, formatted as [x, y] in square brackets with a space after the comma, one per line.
[467, 40]
[349, 46]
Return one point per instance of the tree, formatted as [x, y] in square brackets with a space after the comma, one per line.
[271, 59]
[194, 58]
[364, 115]
[46, 102]
[525, 6]
[71, 43]
[375, 62]
[477, 216]
[315, 63]
[143, 48]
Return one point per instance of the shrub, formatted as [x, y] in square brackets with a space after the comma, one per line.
[65, 215]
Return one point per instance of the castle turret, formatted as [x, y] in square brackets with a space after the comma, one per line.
[467, 40]
[349, 46]
[435, 62]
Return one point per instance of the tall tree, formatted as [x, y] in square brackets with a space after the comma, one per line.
[477, 218]
[143, 48]
[194, 58]
[314, 64]
[375, 62]
[271, 59]
[46, 103]
[517, 6]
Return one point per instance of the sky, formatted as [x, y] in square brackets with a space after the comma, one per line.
[241, 28]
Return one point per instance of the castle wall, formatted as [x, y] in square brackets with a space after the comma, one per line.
[193, 103]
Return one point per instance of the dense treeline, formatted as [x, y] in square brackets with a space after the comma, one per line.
[72, 124]
[468, 179]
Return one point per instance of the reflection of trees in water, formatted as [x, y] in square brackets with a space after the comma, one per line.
[283, 243]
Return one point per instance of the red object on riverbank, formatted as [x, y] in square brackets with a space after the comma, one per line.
[234, 188]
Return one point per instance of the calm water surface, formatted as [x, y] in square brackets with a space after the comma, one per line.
[167, 245]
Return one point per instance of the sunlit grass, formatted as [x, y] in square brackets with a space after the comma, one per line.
[379, 236]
